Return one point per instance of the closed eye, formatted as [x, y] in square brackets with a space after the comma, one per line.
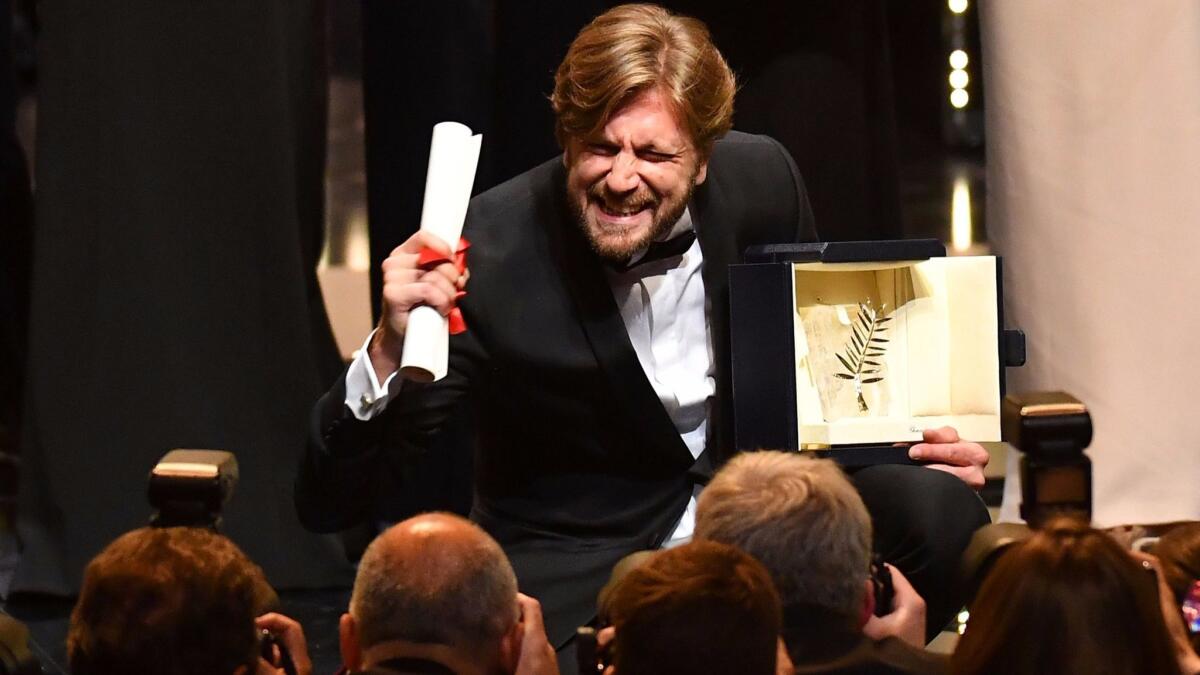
[653, 156]
[602, 149]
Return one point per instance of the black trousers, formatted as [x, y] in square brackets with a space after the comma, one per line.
[923, 522]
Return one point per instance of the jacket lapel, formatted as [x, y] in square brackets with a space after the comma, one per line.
[720, 248]
[605, 330]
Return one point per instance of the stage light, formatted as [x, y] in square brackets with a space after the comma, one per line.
[958, 6]
[959, 98]
[958, 59]
[960, 213]
[959, 79]
[358, 244]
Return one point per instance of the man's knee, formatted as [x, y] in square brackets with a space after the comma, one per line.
[923, 521]
[928, 508]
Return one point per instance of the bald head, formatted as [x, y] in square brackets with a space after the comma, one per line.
[438, 579]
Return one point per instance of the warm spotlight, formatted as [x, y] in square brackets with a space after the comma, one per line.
[958, 59]
[959, 79]
[960, 213]
[958, 6]
[959, 98]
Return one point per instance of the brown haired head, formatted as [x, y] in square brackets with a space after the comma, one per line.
[172, 601]
[1069, 599]
[702, 607]
[633, 48]
[1179, 552]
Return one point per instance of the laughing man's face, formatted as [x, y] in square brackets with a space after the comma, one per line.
[629, 183]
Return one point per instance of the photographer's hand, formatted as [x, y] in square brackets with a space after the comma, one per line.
[947, 452]
[907, 618]
[536, 656]
[1189, 662]
[291, 635]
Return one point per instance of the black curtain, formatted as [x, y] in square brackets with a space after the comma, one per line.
[15, 249]
[816, 75]
[180, 167]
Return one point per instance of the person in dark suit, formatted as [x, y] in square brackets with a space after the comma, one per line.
[596, 350]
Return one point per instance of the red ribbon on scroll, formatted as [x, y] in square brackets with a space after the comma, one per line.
[429, 259]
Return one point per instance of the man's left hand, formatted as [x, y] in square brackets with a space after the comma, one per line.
[945, 451]
[537, 654]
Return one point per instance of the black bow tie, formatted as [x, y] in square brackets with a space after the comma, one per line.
[660, 250]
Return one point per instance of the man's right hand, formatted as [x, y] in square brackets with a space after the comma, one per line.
[405, 285]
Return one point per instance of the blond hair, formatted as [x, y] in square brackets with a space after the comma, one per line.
[633, 48]
[800, 517]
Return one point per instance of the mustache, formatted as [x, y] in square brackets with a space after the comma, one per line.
[638, 200]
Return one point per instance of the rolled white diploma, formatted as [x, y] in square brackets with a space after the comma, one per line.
[453, 156]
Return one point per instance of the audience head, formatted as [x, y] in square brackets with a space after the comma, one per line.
[1178, 551]
[1069, 599]
[170, 601]
[438, 587]
[802, 519]
[702, 607]
[633, 48]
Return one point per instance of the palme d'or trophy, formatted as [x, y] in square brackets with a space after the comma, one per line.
[866, 343]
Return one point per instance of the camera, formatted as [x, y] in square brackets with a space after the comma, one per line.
[589, 657]
[275, 653]
[189, 488]
[881, 582]
[1051, 429]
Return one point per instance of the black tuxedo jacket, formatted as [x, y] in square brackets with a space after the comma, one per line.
[577, 462]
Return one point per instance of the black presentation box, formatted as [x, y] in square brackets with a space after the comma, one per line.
[850, 347]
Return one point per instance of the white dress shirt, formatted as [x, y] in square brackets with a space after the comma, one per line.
[664, 309]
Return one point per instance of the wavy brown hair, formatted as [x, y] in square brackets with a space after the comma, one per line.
[632, 48]
[169, 601]
[703, 607]
[1067, 600]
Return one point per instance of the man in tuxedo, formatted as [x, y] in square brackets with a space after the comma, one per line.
[596, 353]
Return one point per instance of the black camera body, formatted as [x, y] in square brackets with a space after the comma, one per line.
[881, 583]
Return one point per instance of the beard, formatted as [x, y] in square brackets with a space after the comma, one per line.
[618, 247]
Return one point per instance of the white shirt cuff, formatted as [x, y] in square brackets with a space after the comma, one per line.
[365, 396]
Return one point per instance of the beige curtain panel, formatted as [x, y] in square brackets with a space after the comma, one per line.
[1093, 152]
